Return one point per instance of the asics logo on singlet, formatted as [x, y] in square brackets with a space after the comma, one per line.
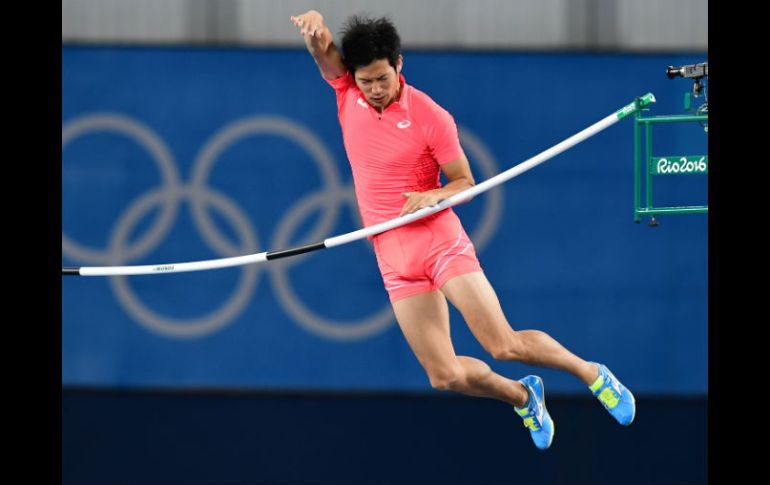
[404, 124]
[362, 103]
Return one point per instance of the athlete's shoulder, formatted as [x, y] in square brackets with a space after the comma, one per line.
[427, 112]
[344, 87]
[342, 83]
[423, 102]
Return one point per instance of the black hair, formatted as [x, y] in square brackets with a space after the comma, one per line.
[365, 40]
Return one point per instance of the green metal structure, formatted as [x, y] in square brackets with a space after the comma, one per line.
[647, 165]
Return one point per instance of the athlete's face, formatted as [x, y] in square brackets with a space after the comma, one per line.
[379, 82]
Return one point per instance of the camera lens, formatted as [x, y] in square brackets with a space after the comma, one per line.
[673, 72]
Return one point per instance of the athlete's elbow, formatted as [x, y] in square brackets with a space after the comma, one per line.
[469, 182]
[466, 186]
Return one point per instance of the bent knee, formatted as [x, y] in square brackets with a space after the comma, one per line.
[447, 378]
[510, 349]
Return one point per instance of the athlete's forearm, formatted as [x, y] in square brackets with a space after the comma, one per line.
[326, 54]
[454, 187]
[319, 42]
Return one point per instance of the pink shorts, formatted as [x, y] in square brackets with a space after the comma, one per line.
[424, 255]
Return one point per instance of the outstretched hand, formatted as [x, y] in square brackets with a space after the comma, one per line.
[310, 23]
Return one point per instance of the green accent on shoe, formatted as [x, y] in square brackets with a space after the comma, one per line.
[537, 419]
[614, 396]
[609, 398]
[521, 411]
[599, 382]
[530, 423]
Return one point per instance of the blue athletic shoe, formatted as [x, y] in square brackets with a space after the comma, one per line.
[614, 396]
[535, 415]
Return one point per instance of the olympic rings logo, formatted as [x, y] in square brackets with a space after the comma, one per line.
[202, 198]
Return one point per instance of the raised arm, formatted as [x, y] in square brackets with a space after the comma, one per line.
[318, 39]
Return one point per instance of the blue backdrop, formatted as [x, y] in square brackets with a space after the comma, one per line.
[179, 154]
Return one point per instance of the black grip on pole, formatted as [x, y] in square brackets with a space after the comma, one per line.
[293, 251]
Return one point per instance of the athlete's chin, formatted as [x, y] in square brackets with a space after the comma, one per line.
[378, 101]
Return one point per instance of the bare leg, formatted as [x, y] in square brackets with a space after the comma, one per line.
[476, 299]
[424, 321]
